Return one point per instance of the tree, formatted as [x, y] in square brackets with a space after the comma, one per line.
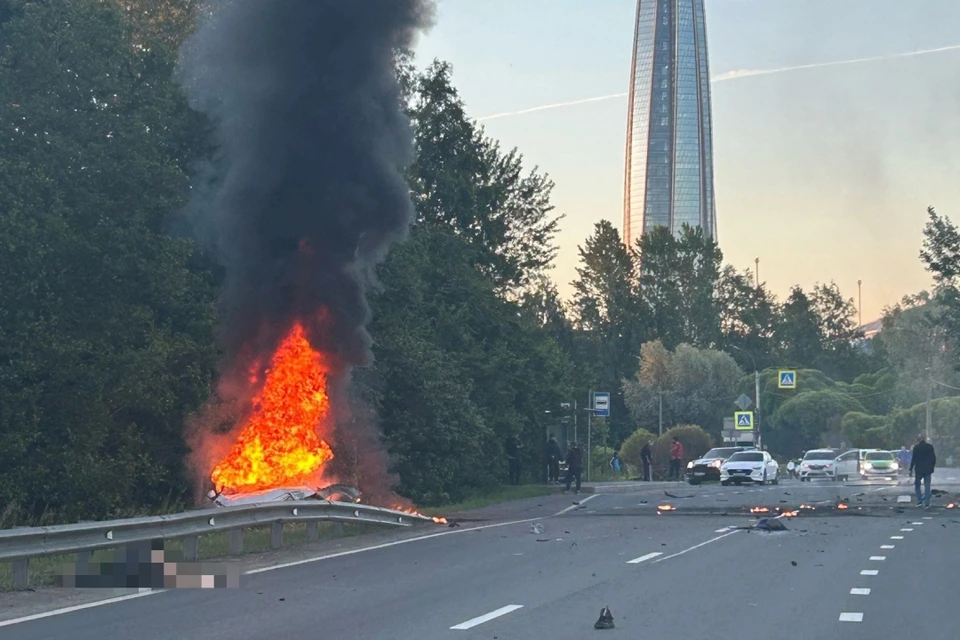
[462, 181]
[608, 317]
[749, 318]
[836, 315]
[694, 385]
[695, 443]
[808, 420]
[106, 337]
[798, 332]
[630, 450]
[678, 278]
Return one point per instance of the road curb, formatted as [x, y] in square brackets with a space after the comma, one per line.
[631, 487]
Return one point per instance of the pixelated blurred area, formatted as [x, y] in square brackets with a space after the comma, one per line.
[148, 566]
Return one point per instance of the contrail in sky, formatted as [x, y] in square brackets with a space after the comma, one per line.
[736, 74]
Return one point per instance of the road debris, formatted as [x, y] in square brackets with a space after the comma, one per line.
[536, 527]
[793, 562]
[605, 621]
[670, 495]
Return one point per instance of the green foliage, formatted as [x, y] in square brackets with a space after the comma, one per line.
[106, 329]
[695, 443]
[802, 422]
[865, 431]
[696, 386]
[630, 449]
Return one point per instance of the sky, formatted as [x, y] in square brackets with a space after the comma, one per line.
[824, 173]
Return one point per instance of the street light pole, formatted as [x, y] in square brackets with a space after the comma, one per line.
[660, 409]
[756, 394]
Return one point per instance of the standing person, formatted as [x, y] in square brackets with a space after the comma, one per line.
[923, 461]
[553, 460]
[615, 463]
[903, 456]
[790, 468]
[574, 465]
[513, 447]
[676, 459]
[647, 458]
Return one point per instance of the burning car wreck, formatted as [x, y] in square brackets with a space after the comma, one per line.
[330, 493]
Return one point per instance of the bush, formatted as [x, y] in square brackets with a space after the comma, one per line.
[695, 443]
[630, 451]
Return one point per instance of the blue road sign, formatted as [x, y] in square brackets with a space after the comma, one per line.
[788, 380]
[601, 404]
[743, 420]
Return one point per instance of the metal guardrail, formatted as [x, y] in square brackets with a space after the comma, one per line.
[18, 545]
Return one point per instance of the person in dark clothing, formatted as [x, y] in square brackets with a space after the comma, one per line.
[513, 447]
[574, 465]
[646, 457]
[923, 461]
[553, 455]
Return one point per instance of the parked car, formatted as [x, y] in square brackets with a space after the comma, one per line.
[750, 466]
[707, 467]
[818, 463]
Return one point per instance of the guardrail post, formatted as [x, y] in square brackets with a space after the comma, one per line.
[313, 531]
[236, 541]
[21, 573]
[190, 547]
[276, 535]
[338, 528]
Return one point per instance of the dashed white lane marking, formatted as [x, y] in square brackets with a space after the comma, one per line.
[903, 498]
[649, 556]
[487, 617]
[878, 558]
[887, 546]
[851, 617]
[869, 572]
[928, 517]
[907, 529]
[697, 546]
[859, 591]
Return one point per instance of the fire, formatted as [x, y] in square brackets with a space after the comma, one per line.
[666, 507]
[789, 514]
[280, 446]
[842, 505]
[951, 506]
[414, 512]
[759, 510]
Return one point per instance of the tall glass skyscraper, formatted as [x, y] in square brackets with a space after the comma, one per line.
[669, 166]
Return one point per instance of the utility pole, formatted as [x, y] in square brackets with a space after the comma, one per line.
[756, 271]
[860, 301]
[660, 403]
[756, 401]
[929, 414]
[574, 420]
[589, 429]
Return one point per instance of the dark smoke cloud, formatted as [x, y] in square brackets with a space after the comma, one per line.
[307, 193]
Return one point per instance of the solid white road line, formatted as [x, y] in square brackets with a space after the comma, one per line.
[887, 546]
[574, 506]
[100, 603]
[859, 591]
[878, 558]
[79, 607]
[851, 617]
[869, 572]
[487, 617]
[697, 546]
[649, 556]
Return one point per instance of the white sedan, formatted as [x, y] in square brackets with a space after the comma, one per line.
[750, 466]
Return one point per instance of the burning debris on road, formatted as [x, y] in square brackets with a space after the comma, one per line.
[305, 198]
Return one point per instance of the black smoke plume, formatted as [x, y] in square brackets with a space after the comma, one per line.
[307, 194]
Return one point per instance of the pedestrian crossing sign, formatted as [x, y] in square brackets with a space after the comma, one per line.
[743, 420]
[788, 380]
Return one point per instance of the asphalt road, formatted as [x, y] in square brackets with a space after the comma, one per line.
[672, 575]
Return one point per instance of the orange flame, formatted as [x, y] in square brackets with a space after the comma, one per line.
[789, 514]
[951, 506]
[280, 446]
[759, 510]
[414, 512]
[842, 505]
[666, 507]
[806, 506]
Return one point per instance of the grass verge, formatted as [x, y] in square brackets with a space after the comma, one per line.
[504, 493]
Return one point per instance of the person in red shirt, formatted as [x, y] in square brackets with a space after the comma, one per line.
[676, 459]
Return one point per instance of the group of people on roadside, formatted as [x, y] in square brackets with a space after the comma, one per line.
[574, 458]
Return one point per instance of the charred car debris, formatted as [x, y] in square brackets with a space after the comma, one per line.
[330, 493]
